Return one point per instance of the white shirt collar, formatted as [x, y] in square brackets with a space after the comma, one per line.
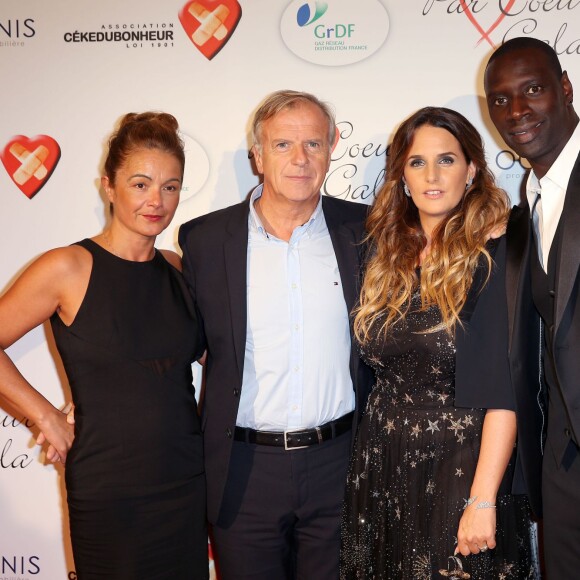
[311, 226]
[560, 171]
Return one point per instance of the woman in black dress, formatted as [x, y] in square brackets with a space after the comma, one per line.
[127, 334]
[428, 492]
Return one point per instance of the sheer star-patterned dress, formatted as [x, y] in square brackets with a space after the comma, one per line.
[413, 465]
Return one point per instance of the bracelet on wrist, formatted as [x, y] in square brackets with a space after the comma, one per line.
[469, 501]
[484, 505]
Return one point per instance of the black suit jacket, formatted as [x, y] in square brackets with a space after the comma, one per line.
[214, 261]
[564, 387]
[526, 346]
[524, 352]
[498, 353]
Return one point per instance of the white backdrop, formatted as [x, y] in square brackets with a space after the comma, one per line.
[69, 70]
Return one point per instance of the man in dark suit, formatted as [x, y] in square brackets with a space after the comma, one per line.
[274, 279]
[530, 103]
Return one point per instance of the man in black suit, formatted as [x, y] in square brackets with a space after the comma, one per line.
[274, 279]
[530, 103]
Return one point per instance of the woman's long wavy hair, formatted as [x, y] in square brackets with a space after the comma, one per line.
[396, 239]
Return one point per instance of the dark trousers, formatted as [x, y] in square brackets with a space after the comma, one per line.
[561, 498]
[280, 518]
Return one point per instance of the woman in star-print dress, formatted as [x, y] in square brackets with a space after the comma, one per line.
[428, 490]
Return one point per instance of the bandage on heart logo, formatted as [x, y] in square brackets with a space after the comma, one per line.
[30, 161]
[504, 11]
[209, 24]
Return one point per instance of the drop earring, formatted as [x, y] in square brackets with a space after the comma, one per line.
[469, 183]
[406, 189]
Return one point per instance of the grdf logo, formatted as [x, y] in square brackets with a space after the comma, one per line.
[304, 16]
[336, 32]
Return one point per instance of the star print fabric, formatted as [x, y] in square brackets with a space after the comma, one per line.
[412, 469]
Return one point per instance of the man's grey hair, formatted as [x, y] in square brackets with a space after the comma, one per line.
[286, 99]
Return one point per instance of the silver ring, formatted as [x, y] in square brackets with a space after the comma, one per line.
[484, 549]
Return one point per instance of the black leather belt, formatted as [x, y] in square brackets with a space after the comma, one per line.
[296, 439]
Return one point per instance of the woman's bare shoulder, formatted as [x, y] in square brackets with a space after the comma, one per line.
[173, 258]
[65, 261]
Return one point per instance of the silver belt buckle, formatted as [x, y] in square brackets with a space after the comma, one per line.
[286, 442]
[319, 434]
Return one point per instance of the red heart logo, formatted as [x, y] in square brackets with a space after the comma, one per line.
[30, 162]
[209, 24]
[485, 33]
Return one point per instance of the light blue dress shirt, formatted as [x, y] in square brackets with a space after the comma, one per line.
[296, 366]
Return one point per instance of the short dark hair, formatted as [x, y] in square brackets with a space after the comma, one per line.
[529, 43]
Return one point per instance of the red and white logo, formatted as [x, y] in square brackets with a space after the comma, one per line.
[485, 33]
[30, 161]
[209, 24]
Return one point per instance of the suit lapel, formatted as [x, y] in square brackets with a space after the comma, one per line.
[569, 250]
[518, 247]
[344, 241]
[236, 257]
[345, 238]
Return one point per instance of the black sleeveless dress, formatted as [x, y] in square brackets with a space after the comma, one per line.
[134, 475]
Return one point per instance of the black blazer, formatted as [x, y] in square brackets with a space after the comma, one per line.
[214, 263]
[497, 359]
[525, 345]
[564, 409]
[525, 351]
